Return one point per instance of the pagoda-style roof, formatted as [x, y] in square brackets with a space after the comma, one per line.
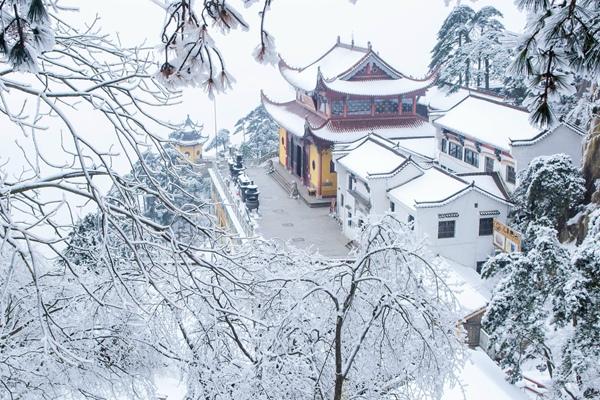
[342, 69]
[300, 121]
[189, 134]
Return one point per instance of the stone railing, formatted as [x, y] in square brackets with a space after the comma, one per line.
[236, 206]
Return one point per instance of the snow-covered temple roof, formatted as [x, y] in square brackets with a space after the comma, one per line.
[337, 60]
[378, 87]
[297, 119]
[336, 69]
[488, 121]
[190, 134]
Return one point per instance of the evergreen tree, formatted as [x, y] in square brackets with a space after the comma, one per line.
[549, 191]
[260, 133]
[580, 367]
[518, 315]
[470, 52]
[186, 189]
[221, 139]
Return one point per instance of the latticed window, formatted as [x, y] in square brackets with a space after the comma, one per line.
[337, 107]
[386, 106]
[407, 104]
[446, 229]
[359, 107]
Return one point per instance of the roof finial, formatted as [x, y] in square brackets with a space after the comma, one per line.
[352, 42]
[338, 39]
[369, 44]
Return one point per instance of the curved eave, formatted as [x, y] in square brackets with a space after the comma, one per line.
[328, 84]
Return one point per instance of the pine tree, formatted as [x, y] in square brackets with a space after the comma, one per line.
[470, 52]
[549, 191]
[260, 133]
[580, 367]
[530, 283]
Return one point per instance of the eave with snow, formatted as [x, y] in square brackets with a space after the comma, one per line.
[484, 134]
[344, 95]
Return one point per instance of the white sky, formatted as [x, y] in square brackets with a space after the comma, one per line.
[403, 31]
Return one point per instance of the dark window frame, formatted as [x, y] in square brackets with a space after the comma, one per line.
[486, 226]
[511, 174]
[471, 157]
[447, 229]
[454, 149]
[444, 145]
[392, 206]
[489, 164]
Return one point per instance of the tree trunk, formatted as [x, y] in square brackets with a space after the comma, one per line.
[591, 160]
[478, 72]
[487, 74]
[468, 73]
[339, 378]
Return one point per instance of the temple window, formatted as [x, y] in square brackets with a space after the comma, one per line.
[337, 107]
[386, 106]
[359, 107]
[407, 104]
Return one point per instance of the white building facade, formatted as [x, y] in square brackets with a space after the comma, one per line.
[453, 213]
[483, 135]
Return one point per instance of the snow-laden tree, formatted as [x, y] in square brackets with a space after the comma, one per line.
[471, 52]
[381, 325]
[560, 42]
[187, 188]
[525, 302]
[260, 133]
[579, 371]
[221, 140]
[548, 192]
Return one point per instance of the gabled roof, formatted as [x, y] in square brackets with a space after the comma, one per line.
[337, 60]
[296, 119]
[335, 68]
[488, 121]
[372, 156]
[436, 187]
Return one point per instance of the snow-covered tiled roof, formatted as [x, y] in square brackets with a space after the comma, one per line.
[471, 292]
[489, 182]
[292, 115]
[424, 146]
[434, 185]
[337, 60]
[380, 87]
[488, 121]
[372, 156]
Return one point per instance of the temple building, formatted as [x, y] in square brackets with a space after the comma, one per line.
[346, 94]
[189, 140]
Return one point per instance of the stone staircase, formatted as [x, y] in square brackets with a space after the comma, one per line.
[281, 180]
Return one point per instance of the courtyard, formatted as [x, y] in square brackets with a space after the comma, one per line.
[292, 221]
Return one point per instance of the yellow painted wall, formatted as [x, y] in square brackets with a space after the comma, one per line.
[282, 146]
[313, 161]
[329, 179]
[192, 153]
